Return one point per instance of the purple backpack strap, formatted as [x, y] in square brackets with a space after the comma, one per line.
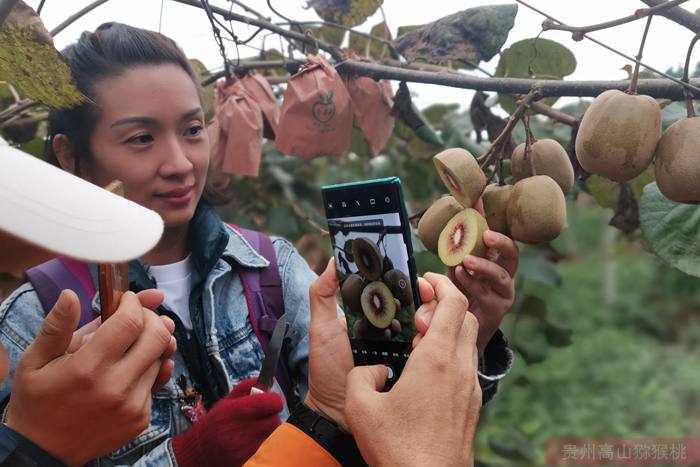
[52, 277]
[263, 289]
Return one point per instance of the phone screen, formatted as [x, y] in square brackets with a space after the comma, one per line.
[370, 236]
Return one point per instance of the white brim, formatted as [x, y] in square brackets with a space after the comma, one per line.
[65, 214]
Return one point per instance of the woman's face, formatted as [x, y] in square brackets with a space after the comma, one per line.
[150, 135]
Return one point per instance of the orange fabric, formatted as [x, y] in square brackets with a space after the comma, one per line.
[316, 117]
[371, 106]
[288, 446]
[236, 132]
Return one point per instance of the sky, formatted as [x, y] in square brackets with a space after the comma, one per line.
[666, 45]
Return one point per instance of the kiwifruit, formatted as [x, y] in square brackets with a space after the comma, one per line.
[435, 219]
[618, 135]
[495, 200]
[351, 291]
[378, 304]
[536, 210]
[463, 235]
[400, 286]
[367, 257]
[677, 167]
[347, 248]
[461, 174]
[546, 157]
[387, 265]
[363, 329]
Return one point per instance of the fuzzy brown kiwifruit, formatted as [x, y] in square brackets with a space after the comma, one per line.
[677, 165]
[387, 265]
[618, 135]
[546, 157]
[536, 210]
[495, 199]
[400, 286]
[378, 304]
[347, 248]
[463, 235]
[363, 329]
[461, 174]
[351, 291]
[435, 219]
[367, 257]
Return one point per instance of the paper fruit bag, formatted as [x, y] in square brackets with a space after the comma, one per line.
[316, 117]
[258, 87]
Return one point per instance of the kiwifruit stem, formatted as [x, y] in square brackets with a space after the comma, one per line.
[501, 176]
[529, 139]
[635, 76]
[688, 97]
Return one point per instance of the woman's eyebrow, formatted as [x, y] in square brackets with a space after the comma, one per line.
[191, 113]
[142, 120]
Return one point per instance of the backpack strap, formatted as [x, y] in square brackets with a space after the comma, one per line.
[52, 277]
[263, 291]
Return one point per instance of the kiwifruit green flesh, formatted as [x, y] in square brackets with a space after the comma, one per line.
[435, 219]
[461, 174]
[378, 304]
[367, 257]
[351, 291]
[495, 200]
[463, 235]
[400, 286]
[536, 210]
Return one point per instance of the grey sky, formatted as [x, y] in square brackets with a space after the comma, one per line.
[666, 44]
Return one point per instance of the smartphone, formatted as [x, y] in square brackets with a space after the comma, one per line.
[371, 239]
[113, 282]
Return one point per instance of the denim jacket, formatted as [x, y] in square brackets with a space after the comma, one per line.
[229, 340]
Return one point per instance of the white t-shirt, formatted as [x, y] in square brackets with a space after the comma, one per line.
[174, 281]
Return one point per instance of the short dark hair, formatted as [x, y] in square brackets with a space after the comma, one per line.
[110, 51]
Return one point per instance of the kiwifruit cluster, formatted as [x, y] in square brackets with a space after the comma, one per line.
[529, 211]
[618, 134]
[376, 292]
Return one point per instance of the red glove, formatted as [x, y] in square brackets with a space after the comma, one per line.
[231, 432]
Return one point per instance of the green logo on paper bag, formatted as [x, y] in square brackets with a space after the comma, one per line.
[324, 110]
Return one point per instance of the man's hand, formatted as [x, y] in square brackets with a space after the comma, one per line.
[434, 407]
[488, 283]
[330, 356]
[97, 397]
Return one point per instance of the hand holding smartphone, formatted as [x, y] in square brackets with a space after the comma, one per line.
[370, 235]
[113, 279]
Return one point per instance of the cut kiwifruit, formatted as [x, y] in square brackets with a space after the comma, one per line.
[347, 248]
[677, 167]
[400, 286]
[546, 157]
[351, 291]
[378, 304]
[618, 135]
[463, 235]
[495, 200]
[363, 329]
[435, 219]
[461, 174]
[536, 210]
[367, 257]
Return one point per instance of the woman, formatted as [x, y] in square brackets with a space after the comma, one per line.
[144, 125]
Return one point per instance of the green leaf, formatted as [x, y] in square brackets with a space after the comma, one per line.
[534, 58]
[557, 335]
[517, 448]
[531, 354]
[533, 307]
[469, 36]
[534, 265]
[328, 34]
[604, 191]
[672, 230]
[349, 13]
[436, 113]
[30, 62]
[364, 46]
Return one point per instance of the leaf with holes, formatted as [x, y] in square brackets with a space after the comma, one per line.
[30, 62]
[672, 230]
[537, 58]
[349, 13]
[468, 36]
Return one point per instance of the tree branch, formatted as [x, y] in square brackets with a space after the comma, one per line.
[577, 32]
[678, 15]
[543, 109]
[74, 17]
